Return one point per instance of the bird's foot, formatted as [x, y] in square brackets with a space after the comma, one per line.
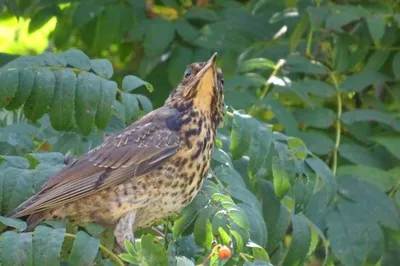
[120, 247]
[124, 231]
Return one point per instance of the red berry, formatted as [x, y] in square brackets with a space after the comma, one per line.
[224, 253]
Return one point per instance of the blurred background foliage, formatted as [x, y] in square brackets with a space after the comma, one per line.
[324, 72]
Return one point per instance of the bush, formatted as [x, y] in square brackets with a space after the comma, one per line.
[305, 169]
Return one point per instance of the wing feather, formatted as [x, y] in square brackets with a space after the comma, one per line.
[141, 148]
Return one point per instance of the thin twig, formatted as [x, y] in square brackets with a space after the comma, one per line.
[211, 254]
[338, 123]
[273, 74]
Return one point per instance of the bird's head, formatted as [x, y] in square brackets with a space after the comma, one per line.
[201, 89]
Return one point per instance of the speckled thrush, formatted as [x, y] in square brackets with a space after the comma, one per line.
[150, 171]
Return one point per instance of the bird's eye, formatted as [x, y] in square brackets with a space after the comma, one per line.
[222, 81]
[188, 72]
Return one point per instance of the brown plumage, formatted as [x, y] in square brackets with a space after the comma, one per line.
[150, 171]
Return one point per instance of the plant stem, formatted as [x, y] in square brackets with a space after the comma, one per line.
[211, 254]
[273, 74]
[105, 251]
[243, 256]
[338, 124]
[309, 41]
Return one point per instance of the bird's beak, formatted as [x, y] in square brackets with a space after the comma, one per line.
[206, 78]
[210, 66]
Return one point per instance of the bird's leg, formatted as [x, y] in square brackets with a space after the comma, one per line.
[124, 230]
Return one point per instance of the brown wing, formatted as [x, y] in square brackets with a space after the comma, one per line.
[141, 148]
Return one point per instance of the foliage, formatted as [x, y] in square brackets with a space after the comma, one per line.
[306, 167]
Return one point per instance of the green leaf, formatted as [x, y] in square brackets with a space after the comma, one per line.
[229, 175]
[85, 12]
[298, 32]
[102, 67]
[296, 63]
[42, 94]
[202, 230]
[341, 15]
[239, 237]
[14, 223]
[222, 157]
[383, 180]
[396, 65]
[317, 117]
[17, 188]
[318, 15]
[373, 201]
[49, 158]
[95, 229]
[223, 199]
[323, 171]
[129, 258]
[62, 106]
[156, 43]
[8, 86]
[250, 80]
[370, 115]
[241, 193]
[188, 214]
[391, 143]
[281, 178]
[130, 83]
[278, 231]
[16, 249]
[220, 226]
[40, 18]
[258, 229]
[315, 87]
[257, 263]
[26, 79]
[108, 90]
[376, 60]
[256, 64]
[301, 193]
[183, 261]
[145, 103]
[47, 245]
[77, 59]
[239, 218]
[261, 139]
[341, 54]
[14, 161]
[376, 25]
[186, 31]
[180, 58]
[84, 250]
[301, 241]
[153, 251]
[359, 155]
[258, 252]
[359, 81]
[352, 234]
[62, 32]
[270, 204]
[87, 100]
[106, 28]
[283, 115]
[204, 14]
[131, 107]
[317, 142]
[240, 135]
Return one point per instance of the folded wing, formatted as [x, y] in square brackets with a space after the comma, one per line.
[141, 148]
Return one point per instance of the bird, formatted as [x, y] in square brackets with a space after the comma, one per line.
[150, 171]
